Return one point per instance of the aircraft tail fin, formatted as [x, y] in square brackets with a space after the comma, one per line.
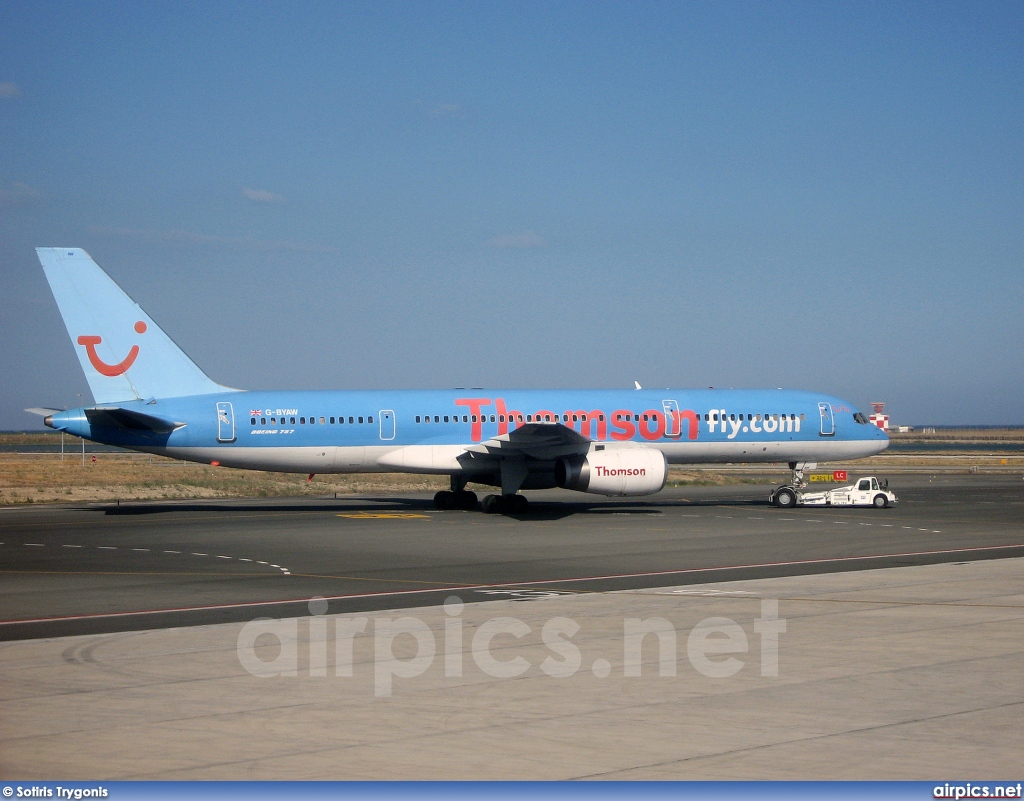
[124, 354]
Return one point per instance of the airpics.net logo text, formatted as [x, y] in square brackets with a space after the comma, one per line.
[404, 648]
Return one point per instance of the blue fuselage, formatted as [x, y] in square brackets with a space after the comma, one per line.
[358, 431]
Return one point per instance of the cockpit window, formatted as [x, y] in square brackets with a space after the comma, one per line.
[860, 418]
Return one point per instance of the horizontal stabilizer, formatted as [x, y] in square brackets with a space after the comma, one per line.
[43, 412]
[116, 417]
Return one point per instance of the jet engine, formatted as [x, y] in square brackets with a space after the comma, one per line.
[619, 471]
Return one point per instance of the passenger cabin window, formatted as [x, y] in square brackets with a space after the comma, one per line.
[252, 421]
[369, 419]
[263, 421]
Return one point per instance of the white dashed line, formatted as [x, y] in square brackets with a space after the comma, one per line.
[284, 570]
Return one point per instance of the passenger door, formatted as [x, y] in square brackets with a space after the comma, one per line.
[673, 426]
[387, 424]
[828, 423]
[225, 422]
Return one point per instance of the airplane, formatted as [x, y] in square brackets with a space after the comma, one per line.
[151, 397]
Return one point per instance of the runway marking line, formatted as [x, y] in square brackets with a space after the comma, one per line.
[524, 584]
[129, 573]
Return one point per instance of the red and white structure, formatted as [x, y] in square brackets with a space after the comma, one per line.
[879, 418]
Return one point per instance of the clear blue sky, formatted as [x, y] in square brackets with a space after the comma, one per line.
[338, 195]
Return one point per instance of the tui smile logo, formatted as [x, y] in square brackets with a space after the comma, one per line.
[101, 366]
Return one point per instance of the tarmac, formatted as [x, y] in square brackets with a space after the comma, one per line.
[897, 673]
[702, 635]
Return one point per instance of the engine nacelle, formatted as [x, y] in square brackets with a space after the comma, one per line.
[619, 471]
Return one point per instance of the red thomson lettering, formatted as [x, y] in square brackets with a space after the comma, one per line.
[505, 416]
[588, 421]
[621, 471]
[691, 416]
[656, 417]
[474, 405]
[622, 425]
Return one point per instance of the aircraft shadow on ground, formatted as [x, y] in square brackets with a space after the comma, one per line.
[539, 510]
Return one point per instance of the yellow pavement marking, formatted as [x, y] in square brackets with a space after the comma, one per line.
[384, 515]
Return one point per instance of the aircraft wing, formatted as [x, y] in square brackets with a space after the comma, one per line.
[534, 441]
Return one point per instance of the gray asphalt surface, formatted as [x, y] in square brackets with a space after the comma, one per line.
[104, 568]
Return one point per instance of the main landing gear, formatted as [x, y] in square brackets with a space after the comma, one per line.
[505, 504]
[458, 497]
